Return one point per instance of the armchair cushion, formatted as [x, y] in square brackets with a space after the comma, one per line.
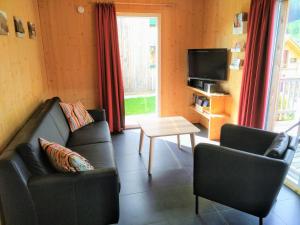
[278, 146]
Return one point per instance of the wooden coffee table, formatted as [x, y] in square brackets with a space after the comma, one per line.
[165, 126]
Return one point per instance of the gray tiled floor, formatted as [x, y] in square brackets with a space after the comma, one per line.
[166, 198]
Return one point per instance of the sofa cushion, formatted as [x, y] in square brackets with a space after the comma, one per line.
[64, 159]
[96, 132]
[100, 155]
[278, 146]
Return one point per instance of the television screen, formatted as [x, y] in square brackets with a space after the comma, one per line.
[207, 64]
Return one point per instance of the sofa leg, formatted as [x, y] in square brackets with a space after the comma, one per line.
[261, 222]
[197, 204]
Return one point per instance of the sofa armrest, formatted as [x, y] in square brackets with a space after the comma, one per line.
[246, 139]
[97, 114]
[241, 180]
[90, 197]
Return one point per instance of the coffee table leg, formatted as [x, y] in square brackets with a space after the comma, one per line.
[178, 141]
[192, 136]
[141, 141]
[150, 155]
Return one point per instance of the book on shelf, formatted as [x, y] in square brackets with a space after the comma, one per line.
[200, 100]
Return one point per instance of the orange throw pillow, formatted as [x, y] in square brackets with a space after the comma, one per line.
[64, 159]
[76, 115]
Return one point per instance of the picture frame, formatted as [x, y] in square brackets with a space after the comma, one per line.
[19, 29]
[31, 30]
[238, 46]
[4, 30]
[236, 64]
[240, 23]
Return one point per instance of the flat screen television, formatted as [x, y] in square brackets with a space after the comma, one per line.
[207, 64]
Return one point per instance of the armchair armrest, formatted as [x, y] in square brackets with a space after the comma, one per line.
[90, 197]
[246, 139]
[97, 114]
[241, 180]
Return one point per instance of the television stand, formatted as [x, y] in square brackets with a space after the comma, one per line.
[214, 116]
[204, 85]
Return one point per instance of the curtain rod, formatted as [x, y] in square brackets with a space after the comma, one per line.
[137, 3]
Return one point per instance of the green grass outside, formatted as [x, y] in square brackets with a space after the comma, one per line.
[140, 105]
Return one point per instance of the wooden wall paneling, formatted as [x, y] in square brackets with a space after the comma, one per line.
[217, 104]
[215, 126]
[70, 50]
[217, 30]
[72, 74]
[22, 72]
[69, 36]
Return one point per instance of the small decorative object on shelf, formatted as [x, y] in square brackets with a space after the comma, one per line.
[20, 32]
[236, 64]
[240, 23]
[3, 23]
[238, 46]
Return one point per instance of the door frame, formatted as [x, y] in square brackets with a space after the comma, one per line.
[280, 26]
[158, 85]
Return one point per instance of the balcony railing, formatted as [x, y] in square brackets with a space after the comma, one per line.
[288, 101]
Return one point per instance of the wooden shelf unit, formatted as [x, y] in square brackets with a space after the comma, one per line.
[215, 117]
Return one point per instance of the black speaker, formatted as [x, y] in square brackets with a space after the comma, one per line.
[196, 83]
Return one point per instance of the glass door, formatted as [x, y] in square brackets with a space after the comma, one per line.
[284, 98]
[139, 50]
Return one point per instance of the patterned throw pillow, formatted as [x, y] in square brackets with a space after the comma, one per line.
[64, 159]
[76, 115]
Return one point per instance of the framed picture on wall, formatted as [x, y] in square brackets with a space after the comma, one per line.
[20, 31]
[3, 23]
[31, 30]
[240, 23]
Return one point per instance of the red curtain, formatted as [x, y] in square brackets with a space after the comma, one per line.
[111, 90]
[257, 66]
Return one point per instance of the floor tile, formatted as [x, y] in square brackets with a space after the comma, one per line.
[130, 163]
[288, 211]
[235, 217]
[134, 182]
[140, 209]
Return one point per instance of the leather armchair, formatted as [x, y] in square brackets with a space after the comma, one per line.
[237, 173]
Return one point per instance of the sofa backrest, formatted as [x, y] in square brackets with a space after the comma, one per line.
[16, 203]
[59, 118]
[24, 158]
[51, 125]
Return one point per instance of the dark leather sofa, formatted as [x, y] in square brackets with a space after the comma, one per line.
[33, 193]
[237, 173]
